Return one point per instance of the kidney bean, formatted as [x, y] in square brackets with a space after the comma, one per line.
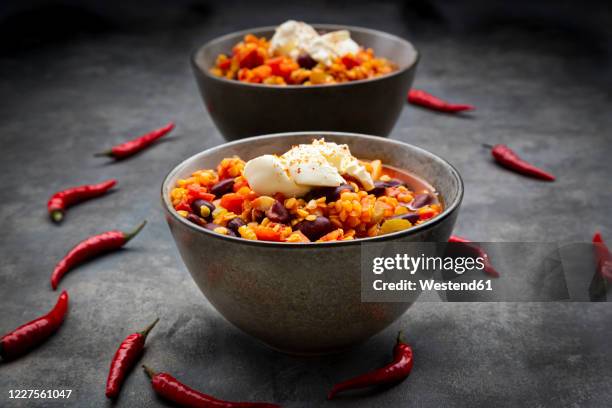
[379, 188]
[412, 217]
[395, 183]
[197, 205]
[235, 223]
[316, 228]
[212, 226]
[195, 219]
[304, 60]
[420, 200]
[278, 213]
[334, 193]
[223, 187]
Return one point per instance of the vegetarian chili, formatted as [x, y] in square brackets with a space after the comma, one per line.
[129, 351]
[489, 269]
[90, 248]
[426, 100]
[394, 372]
[509, 159]
[29, 335]
[126, 149]
[224, 201]
[60, 201]
[168, 387]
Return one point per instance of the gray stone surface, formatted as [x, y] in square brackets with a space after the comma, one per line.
[539, 91]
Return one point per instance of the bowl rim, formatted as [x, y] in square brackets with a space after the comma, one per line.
[448, 209]
[241, 33]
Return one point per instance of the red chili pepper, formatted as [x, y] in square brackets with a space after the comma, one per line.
[60, 201]
[598, 288]
[426, 100]
[29, 335]
[510, 160]
[173, 390]
[489, 269]
[396, 371]
[126, 149]
[458, 239]
[129, 351]
[90, 248]
[603, 257]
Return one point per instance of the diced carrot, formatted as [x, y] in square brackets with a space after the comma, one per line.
[232, 202]
[267, 234]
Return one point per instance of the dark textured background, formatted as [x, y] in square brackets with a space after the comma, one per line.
[76, 80]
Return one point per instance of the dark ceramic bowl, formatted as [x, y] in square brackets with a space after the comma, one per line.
[303, 298]
[370, 106]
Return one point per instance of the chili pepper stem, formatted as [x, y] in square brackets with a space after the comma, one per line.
[149, 371]
[488, 146]
[132, 234]
[400, 337]
[148, 329]
[106, 153]
[57, 216]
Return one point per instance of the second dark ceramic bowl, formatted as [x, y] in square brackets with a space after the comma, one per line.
[303, 298]
[370, 106]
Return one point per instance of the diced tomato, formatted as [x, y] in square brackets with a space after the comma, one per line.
[350, 61]
[206, 196]
[251, 56]
[275, 65]
[225, 64]
[282, 66]
[195, 192]
[426, 213]
[183, 206]
[267, 234]
[232, 202]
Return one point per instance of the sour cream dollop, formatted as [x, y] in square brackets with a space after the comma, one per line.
[304, 167]
[293, 38]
